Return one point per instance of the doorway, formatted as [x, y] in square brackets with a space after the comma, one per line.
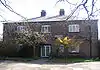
[45, 50]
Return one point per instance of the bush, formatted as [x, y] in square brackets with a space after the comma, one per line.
[7, 49]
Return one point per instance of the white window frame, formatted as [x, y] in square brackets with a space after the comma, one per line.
[74, 28]
[45, 47]
[43, 30]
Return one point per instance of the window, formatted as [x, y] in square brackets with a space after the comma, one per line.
[73, 28]
[73, 49]
[61, 48]
[21, 28]
[46, 29]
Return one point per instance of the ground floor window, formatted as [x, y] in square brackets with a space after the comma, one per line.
[73, 49]
[70, 49]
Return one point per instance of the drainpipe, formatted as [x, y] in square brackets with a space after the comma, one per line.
[90, 40]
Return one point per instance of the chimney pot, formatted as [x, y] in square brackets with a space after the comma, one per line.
[61, 12]
[43, 13]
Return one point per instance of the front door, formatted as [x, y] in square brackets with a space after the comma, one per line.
[45, 50]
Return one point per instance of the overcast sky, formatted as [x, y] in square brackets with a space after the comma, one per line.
[32, 8]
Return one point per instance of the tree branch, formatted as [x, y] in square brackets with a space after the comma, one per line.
[92, 7]
[3, 18]
[10, 9]
[70, 2]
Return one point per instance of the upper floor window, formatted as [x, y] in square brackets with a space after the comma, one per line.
[74, 28]
[45, 29]
[21, 28]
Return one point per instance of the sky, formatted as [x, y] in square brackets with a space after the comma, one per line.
[32, 8]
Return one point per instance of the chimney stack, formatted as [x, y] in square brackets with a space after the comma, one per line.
[61, 12]
[43, 13]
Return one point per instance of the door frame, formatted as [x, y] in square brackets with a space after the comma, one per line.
[45, 46]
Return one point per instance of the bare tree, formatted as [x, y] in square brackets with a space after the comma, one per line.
[88, 5]
[4, 3]
[90, 9]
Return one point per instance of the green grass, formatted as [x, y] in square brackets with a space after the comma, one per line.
[73, 60]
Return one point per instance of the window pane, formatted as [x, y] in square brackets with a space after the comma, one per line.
[42, 29]
[74, 28]
[45, 29]
[43, 51]
[47, 51]
[49, 29]
[70, 28]
[77, 28]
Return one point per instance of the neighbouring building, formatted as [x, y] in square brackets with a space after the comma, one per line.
[58, 26]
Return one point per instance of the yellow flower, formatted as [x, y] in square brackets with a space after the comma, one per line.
[65, 39]
[65, 42]
[60, 40]
[69, 40]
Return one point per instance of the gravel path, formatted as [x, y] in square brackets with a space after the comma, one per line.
[35, 65]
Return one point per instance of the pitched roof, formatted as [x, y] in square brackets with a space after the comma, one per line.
[48, 18]
[55, 18]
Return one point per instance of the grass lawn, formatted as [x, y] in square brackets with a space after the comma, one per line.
[73, 60]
